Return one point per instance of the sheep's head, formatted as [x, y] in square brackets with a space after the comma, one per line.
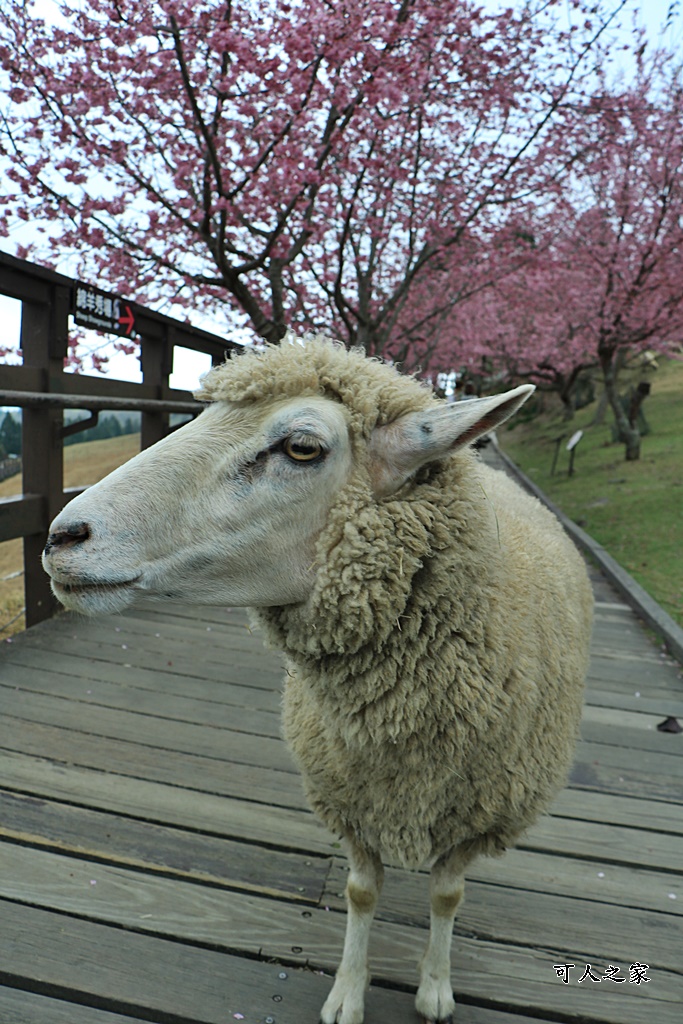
[228, 509]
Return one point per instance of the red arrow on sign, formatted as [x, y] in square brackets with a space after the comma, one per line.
[128, 321]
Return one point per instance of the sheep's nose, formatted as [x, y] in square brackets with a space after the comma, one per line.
[71, 535]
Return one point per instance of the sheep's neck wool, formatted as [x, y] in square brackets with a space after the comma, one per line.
[401, 671]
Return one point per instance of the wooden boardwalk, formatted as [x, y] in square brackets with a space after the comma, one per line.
[158, 862]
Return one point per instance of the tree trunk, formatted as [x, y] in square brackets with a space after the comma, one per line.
[599, 417]
[630, 435]
[568, 409]
[637, 398]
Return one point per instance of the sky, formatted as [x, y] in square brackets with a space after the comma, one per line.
[188, 366]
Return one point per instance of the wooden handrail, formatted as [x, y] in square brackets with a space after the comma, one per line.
[42, 399]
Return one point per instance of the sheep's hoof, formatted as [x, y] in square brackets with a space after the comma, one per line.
[344, 1005]
[434, 1001]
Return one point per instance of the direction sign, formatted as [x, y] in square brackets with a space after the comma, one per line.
[102, 311]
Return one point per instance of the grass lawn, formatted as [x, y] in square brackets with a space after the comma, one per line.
[634, 509]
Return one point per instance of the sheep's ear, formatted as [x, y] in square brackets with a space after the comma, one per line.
[398, 449]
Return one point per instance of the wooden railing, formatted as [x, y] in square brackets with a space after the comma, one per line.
[43, 390]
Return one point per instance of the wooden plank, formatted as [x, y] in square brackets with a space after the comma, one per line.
[165, 733]
[20, 1007]
[42, 666]
[231, 740]
[298, 829]
[147, 976]
[86, 636]
[262, 926]
[174, 611]
[185, 662]
[642, 703]
[663, 687]
[618, 641]
[119, 757]
[224, 630]
[605, 844]
[597, 777]
[226, 714]
[631, 729]
[649, 660]
[627, 886]
[66, 624]
[405, 894]
[510, 975]
[531, 918]
[620, 721]
[589, 805]
[589, 882]
[177, 613]
[286, 828]
[151, 903]
[232, 634]
[610, 608]
[619, 685]
[635, 663]
[631, 647]
[283, 788]
[633, 773]
[118, 840]
[43, 673]
[140, 844]
[610, 667]
[604, 592]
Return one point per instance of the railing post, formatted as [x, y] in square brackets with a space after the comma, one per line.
[44, 336]
[156, 358]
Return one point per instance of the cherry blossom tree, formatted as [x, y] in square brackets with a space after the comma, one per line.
[628, 225]
[528, 326]
[327, 164]
[601, 280]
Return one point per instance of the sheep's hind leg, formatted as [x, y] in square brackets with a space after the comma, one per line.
[345, 1002]
[434, 1002]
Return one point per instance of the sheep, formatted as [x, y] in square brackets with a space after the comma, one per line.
[435, 618]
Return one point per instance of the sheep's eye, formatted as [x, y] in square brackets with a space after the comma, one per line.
[302, 451]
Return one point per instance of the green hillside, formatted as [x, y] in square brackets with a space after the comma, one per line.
[634, 509]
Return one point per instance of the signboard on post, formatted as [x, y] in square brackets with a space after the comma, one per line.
[101, 311]
[571, 448]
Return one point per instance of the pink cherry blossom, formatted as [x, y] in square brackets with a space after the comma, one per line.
[357, 165]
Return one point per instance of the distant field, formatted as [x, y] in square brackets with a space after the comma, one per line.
[83, 464]
[634, 509]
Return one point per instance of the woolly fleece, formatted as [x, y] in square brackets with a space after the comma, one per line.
[435, 674]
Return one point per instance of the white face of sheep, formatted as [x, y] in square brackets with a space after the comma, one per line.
[227, 509]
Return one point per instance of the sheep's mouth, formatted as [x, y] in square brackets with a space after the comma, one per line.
[94, 586]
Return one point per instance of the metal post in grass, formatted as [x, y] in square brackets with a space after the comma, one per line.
[558, 441]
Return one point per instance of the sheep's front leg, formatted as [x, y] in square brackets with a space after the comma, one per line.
[344, 1004]
[434, 1002]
